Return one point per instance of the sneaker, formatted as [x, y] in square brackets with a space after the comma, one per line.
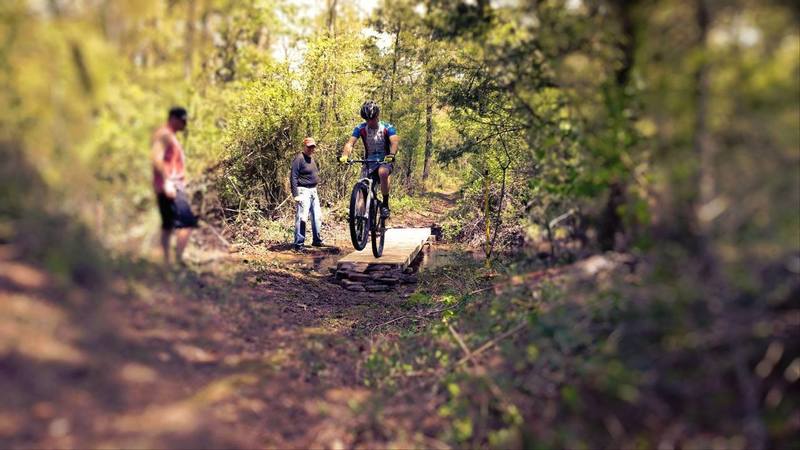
[385, 213]
[318, 244]
[299, 248]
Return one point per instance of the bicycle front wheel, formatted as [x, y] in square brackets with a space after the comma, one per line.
[358, 218]
[378, 235]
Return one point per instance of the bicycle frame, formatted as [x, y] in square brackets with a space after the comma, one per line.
[370, 185]
[369, 222]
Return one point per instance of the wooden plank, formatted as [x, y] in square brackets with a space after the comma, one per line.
[400, 248]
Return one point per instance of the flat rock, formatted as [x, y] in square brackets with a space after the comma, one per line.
[347, 283]
[389, 280]
[376, 287]
[410, 279]
[378, 267]
[358, 276]
[342, 274]
[356, 287]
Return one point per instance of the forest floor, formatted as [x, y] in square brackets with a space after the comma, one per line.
[258, 348]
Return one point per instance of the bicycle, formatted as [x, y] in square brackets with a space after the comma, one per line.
[364, 218]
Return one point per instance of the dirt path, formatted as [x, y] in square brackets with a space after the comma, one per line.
[252, 349]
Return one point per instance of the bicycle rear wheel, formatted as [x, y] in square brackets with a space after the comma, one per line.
[378, 231]
[358, 219]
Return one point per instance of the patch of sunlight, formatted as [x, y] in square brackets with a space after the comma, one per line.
[261, 364]
[346, 395]
[333, 323]
[22, 275]
[37, 330]
[137, 373]
[166, 334]
[277, 358]
[10, 424]
[339, 405]
[223, 388]
[184, 415]
[194, 354]
[174, 417]
[316, 331]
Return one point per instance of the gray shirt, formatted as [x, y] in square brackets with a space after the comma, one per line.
[305, 172]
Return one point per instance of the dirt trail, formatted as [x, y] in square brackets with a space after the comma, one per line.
[252, 349]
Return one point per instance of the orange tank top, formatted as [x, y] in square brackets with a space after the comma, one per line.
[173, 160]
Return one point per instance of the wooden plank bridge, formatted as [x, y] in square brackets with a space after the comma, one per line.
[401, 247]
[360, 271]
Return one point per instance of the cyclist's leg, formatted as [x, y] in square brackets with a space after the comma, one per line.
[383, 173]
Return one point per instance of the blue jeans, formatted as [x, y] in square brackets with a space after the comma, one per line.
[309, 203]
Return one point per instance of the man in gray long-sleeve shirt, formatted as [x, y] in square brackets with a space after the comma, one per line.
[304, 179]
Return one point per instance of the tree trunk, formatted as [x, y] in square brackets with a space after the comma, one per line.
[627, 46]
[263, 39]
[703, 148]
[498, 218]
[332, 17]
[395, 57]
[188, 61]
[611, 223]
[410, 171]
[426, 167]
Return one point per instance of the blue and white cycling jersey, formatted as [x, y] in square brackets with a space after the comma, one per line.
[376, 140]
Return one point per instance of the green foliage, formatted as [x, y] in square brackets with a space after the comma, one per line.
[593, 351]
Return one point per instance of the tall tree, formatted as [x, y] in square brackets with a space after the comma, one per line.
[426, 169]
[188, 49]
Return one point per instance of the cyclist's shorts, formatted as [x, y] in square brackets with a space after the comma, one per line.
[371, 169]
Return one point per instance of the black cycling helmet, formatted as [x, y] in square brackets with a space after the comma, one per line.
[370, 110]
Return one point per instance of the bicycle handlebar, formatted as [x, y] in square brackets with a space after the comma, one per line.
[353, 161]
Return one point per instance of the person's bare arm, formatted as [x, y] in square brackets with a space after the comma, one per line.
[157, 153]
[348, 147]
[160, 144]
[393, 142]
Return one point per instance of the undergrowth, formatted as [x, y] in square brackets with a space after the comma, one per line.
[562, 359]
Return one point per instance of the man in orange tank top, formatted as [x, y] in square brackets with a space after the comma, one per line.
[169, 180]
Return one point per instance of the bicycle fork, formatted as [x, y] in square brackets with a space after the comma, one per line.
[368, 200]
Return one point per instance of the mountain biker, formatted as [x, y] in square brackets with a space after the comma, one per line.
[380, 147]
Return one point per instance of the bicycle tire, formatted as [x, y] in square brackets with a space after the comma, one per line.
[359, 226]
[378, 231]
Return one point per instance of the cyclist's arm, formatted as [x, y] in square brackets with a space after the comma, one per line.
[348, 147]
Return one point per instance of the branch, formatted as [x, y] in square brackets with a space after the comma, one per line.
[493, 342]
[217, 233]
[467, 353]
